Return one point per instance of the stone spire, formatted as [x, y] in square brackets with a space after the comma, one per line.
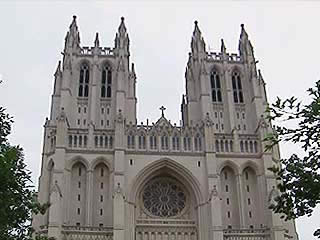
[245, 47]
[122, 38]
[72, 40]
[198, 45]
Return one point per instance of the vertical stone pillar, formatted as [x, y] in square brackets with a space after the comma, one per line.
[240, 200]
[90, 196]
[55, 216]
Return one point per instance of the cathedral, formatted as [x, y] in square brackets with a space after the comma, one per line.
[107, 177]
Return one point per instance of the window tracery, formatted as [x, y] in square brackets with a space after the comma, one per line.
[237, 87]
[106, 82]
[215, 86]
[84, 81]
[164, 197]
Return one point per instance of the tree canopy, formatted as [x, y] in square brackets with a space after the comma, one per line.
[17, 196]
[299, 175]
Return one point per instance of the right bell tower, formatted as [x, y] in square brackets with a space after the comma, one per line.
[227, 89]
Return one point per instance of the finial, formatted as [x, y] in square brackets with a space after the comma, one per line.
[58, 70]
[223, 46]
[242, 25]
[162, 108]
[122, 28]
[96, 41]
[196, 22]
[74, 17]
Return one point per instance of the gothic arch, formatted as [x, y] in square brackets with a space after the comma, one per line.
[75, 160]
[252, 165]
[230, 164]
[217, 68]
[50, 164]
[99, 160]
[106, 62]
[237, 69]
[83, 61]
[165, 163]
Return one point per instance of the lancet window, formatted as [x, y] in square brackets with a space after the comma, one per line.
[176, 142]
[215, 86]
[187, 143]
[84, 81]
[197, 143]
[106, 82]
[131, 142]
[164, 142]
[237, 87]
[153, 142]
[142, 141]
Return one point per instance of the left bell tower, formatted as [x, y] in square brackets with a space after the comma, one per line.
[92, 87]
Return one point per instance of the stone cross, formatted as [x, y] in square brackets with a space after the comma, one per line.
[162, 110]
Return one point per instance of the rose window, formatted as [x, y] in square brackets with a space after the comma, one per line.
[163, 197]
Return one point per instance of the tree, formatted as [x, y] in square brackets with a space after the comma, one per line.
[299, 176]
[17, 197]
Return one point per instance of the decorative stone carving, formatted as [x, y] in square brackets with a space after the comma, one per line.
[56, 189]
[62, 116]
[274, 193]
[208, 121]
[119, 116]
[164, 197]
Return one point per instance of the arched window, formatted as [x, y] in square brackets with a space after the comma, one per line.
[217, 146]
[111, 142]
[85, 141]
[255, 146]
[241, 146]
[153, 142]
[197, 143]
[187, 143]
[237, 87]
[96, 141]
[70, 140]
[215, 86]
[131, 143]
[142, 141]
[84, 81]
[164, 142]
[176, 142]
[222, 145]
[106, 82]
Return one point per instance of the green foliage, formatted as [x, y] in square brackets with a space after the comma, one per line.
[17, 197]
[299, 175]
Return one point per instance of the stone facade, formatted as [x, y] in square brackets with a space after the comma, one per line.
[108, 177]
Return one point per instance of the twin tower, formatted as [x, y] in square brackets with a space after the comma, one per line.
[107, 177]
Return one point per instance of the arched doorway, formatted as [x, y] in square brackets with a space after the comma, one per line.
[166, 201]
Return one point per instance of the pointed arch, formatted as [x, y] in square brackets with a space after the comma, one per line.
[250, 164]
[181, 173]
[84, 78]
[231, 164]
[99, 160]
[215, 81]
[236, 83]
[106, 80]
[74, 160]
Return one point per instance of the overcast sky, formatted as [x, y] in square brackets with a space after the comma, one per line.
[285, 36]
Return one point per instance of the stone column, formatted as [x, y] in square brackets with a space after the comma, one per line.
[90, 196]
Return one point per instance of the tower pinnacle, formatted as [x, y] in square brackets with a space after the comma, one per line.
[96, 41]
[72, 40]
[197, 42]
